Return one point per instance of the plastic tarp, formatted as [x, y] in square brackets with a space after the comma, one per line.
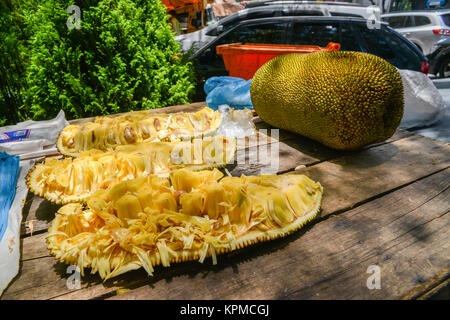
[10, 243]
[234, 92]
[9, 168]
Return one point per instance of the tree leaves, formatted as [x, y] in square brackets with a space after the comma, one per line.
[120, 60]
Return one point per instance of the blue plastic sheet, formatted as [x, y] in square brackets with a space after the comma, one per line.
[232, 91]
[9, 168]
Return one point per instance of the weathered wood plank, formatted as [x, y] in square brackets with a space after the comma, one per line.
[381, 169]
[34, 247]
[362, 175]
[37, 215]
[290, 153]
[405, 234]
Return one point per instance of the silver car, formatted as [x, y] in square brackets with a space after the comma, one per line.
[423, 28]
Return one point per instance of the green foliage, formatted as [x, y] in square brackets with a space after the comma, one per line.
[13, 58]
[122, 58]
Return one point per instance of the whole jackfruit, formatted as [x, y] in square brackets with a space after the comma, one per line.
[344, 100]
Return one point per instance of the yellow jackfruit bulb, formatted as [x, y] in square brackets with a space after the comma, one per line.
[158, 183]
[214, 194]
[136, 184]
[185, 180]
[128, 207]
[235, 193]
[118, 190]
[96, 203]
[240, 214]
[278, 209]
[344, 100]
[192, 203]
[145, 195]
[163, 201]
[295, 201]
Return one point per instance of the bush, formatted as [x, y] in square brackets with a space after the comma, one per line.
[13, 59]
[122, 58]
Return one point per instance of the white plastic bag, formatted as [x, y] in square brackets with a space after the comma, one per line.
[32, 139]
[424, 104]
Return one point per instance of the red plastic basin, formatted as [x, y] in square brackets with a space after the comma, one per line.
[242, 60]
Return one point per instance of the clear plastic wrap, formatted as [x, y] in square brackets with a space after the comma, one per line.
[236, 123]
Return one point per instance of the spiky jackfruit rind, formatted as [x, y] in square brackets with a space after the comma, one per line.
[132, 261]
[35, 177]
[134, 121]
[344, 100]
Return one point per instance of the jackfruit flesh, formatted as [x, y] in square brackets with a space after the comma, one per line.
[73, 180]
[344, 100]
[150, 221]
[136, 127]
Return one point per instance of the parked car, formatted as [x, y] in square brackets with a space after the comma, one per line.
[334, 8]
[353, 34]
[257, 10]
[439, 58]
[423, 28]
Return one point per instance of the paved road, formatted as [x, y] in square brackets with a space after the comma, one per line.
[440, 129]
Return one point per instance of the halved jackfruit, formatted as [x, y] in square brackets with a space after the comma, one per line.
[73, 180]
[107, 133]
[125, 228]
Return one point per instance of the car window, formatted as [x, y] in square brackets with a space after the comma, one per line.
[321, 33]
[446, 19]
[409, 22]
[396, 22]
[261, 33]
[266, 13]
[421, 21]
[389, 46]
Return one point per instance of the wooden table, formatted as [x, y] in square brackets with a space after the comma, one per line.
[384, 206]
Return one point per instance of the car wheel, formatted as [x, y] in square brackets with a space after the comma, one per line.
[444, 68]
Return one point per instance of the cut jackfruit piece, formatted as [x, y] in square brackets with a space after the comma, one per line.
[127, 231]
[73, 180]
[136, 127]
